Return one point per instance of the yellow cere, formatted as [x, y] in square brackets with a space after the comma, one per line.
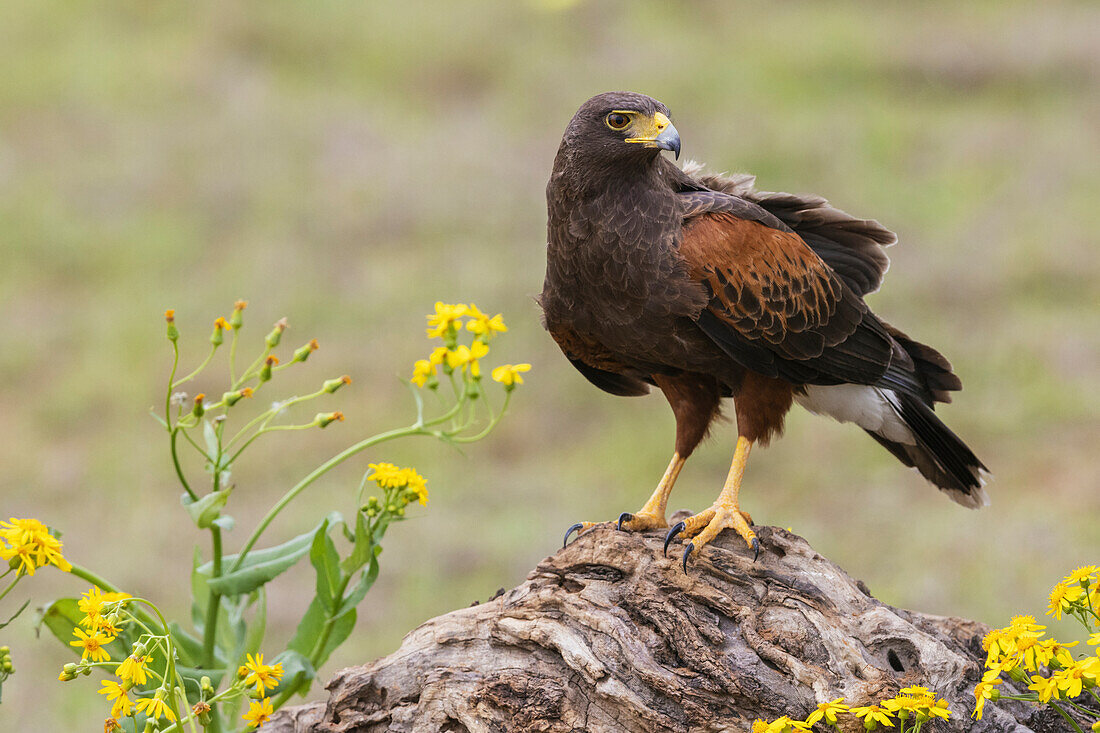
[646, 130]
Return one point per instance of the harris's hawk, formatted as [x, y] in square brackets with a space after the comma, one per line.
[707, 288]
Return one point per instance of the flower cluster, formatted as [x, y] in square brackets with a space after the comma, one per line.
[1046, 666]
[26, 544]
[401, 486]
[446, 324]
[265, 677]
[912, 707]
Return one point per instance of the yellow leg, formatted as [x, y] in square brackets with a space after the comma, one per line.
[653, 513]
[649, 516]
[724, 513]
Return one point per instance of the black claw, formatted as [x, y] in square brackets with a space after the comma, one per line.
[570, 531]
[624, 517]
[676, 529]
[755, 549]
[687, 554]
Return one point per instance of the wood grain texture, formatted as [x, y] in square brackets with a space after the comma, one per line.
[608, 635]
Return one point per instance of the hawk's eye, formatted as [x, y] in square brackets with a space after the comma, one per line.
[617, 120]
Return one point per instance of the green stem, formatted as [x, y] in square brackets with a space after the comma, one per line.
[176, 461]
[10, 586]
[316, 474]
[1065, 715]
[233, 357]
[194, 373]
[213, 603]
[171, 384]
[248, 372]
[488, 428]
[322, 640]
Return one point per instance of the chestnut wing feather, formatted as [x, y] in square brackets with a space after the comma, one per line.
[775, 306]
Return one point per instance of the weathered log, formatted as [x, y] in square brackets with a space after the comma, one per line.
[610, 635]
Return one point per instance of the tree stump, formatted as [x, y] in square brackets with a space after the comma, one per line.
[610, 635]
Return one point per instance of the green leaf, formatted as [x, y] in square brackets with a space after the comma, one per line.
[353, 599]
[210, 437]
[226, 522]
[261, 566]
[258, 627]
[297, 670]
[188, 647]
[362, 548]
[206, 510]
[326, 561]
[341, 630]
[309, 628]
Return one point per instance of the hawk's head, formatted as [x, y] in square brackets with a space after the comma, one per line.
[619, 127]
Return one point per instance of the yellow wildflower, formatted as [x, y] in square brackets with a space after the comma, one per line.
[262, 675]
[915, 691]
[1062, 598]
[92, 645]
[259, 711]
[422, 370]
[133, 669]
[115, 691]
[1026, 624]
[1085, 574]
[418, 484]
[386, 475]
[91, 604]
[779, 725]
[155, 707]
[467, 356]
[938, 710]
[483, 325]
[509, 374]
[30, 542]
[828, 711]
[444, 318]
[873, 714]
[1047, 687]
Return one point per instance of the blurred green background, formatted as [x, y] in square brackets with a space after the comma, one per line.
[347, 164]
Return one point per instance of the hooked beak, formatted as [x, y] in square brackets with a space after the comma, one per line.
[669, 140]
[658, 133]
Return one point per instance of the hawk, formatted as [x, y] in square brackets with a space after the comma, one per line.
[707, 289]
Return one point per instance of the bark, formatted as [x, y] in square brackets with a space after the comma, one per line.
[609, 635]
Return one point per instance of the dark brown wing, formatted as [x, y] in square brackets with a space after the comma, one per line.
[775, 306]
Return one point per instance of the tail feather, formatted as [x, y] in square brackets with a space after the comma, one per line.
[937, 453]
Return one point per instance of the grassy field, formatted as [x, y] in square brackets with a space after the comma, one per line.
[348, 164]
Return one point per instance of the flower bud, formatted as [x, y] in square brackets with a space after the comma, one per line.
[6, 665]
[198, 410]
[235, 319]
[303, 353]
[332, 385]
[201, 711]
[324, 419]
[265, 370]
[232, 398]
[272, 339]
[400, 511]
[218, 336]
[206, 685]
[173, 332]
[68, 672]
